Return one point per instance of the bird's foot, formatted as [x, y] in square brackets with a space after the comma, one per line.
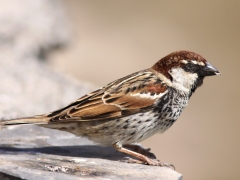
[141, 150]
[155, 162]
[131, 160]
[151, 162]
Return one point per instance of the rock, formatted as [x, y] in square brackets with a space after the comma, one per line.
[31, 152]
[30, 31]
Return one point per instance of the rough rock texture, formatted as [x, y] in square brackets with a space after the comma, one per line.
[29, 31]
[51, 154]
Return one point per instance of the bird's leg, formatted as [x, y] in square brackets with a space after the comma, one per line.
[143, 158]
[141, 150]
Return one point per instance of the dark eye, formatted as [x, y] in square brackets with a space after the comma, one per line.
[190, 67]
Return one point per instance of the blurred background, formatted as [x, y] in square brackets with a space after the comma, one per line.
[111, 39]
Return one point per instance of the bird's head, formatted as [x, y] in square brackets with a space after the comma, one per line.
[184, 70]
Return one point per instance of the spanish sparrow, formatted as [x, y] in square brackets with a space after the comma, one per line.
[131, 108]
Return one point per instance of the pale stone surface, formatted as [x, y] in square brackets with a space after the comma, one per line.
[31, 152]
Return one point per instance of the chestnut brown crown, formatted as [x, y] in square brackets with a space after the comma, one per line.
[187, 60]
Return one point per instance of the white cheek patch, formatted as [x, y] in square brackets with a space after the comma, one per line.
[183, 80]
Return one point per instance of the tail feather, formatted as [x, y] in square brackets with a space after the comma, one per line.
[27, 120]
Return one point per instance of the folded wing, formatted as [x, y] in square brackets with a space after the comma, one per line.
[129, 95]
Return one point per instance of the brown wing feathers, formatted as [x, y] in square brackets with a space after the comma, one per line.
[120, 98]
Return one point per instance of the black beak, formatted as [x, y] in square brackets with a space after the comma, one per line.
[209, 70]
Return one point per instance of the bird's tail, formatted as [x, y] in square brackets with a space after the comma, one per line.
[38, 120]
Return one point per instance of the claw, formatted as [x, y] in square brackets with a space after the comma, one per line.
[152, 162]
[155, 162]
[138, 148]
[172, 167]
[168, 165]
[143, 159]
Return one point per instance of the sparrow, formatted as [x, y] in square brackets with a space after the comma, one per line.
[132, 108]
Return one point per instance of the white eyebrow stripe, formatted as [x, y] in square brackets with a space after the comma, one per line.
[194, 62]
[201, 63]
[184, 61]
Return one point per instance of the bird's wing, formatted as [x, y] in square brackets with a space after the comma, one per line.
[129, 95]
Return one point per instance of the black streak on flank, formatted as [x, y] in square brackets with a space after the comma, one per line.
[132, 133]
[129, 138]
[141, 136]
[125, 127]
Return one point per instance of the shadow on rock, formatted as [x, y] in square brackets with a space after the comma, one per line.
[86, 151]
